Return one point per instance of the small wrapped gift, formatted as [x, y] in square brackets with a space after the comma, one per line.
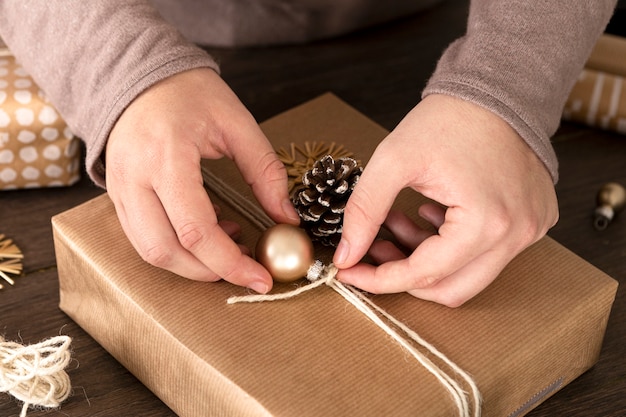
[598, 98]
[36, 147]
[535, 329]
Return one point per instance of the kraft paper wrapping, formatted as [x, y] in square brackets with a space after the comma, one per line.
[535, 329]
[598, 98]
[37, 149]
[608, 55]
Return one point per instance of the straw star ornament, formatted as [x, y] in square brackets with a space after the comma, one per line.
[300, 159]
[10, 260]
[321, 179]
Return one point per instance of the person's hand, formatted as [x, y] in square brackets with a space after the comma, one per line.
[154, 179]
[497, 197]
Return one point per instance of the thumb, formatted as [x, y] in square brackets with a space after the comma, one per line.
[367, 209]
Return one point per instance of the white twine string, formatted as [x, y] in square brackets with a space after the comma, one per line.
[35, 374]
[246, 208]
[325, 275]
[376, 314]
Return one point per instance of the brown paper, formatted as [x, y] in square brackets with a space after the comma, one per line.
[535, 329]
[608, 55]
[598, 98]
[37, 149]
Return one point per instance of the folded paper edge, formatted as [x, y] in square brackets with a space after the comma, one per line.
[211, 385]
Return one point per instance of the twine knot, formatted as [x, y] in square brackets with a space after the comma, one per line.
[318, 275]
[35, 374]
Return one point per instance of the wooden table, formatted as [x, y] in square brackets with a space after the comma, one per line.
[380, 72]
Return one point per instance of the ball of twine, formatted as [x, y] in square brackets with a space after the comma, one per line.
[35, 374]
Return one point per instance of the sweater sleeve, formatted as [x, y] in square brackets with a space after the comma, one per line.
[520, 59]
[92, 58]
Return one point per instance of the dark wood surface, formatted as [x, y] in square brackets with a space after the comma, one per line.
[381, 73]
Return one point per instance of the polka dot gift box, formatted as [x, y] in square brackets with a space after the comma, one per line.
[36, 147]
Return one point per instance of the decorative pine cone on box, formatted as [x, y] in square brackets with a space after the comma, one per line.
[321, 199]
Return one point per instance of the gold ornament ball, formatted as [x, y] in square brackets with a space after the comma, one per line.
[610, 199]
[286, 251]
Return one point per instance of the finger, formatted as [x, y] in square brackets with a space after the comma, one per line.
[436, 258]
[153, 238]
[232, 229]
[451, 291]
[217, 209]
[467, 282]
[245, 250]
[367, 209]
[409, 234]
[389, 277]
[383, 251]
[190, 213]
[462, 237]
[433, 214]
[265, 173]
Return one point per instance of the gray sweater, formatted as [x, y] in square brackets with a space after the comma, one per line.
[518, 58]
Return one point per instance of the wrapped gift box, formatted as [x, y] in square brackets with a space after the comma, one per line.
[535, 329]
[598, 98]
[37, 149]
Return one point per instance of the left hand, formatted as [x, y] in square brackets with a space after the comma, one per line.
[496, 198]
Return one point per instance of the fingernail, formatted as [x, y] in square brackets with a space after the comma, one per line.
[290, 211]
[259, 287]
[342, 252]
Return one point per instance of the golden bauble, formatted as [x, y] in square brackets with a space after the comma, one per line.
[286, 251]
[611, 199]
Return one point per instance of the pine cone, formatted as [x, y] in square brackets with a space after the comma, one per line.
[322, 198]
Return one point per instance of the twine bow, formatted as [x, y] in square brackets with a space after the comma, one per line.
[35, 374]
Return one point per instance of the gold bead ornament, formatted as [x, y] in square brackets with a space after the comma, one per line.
[610, 200]
[286, 251]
